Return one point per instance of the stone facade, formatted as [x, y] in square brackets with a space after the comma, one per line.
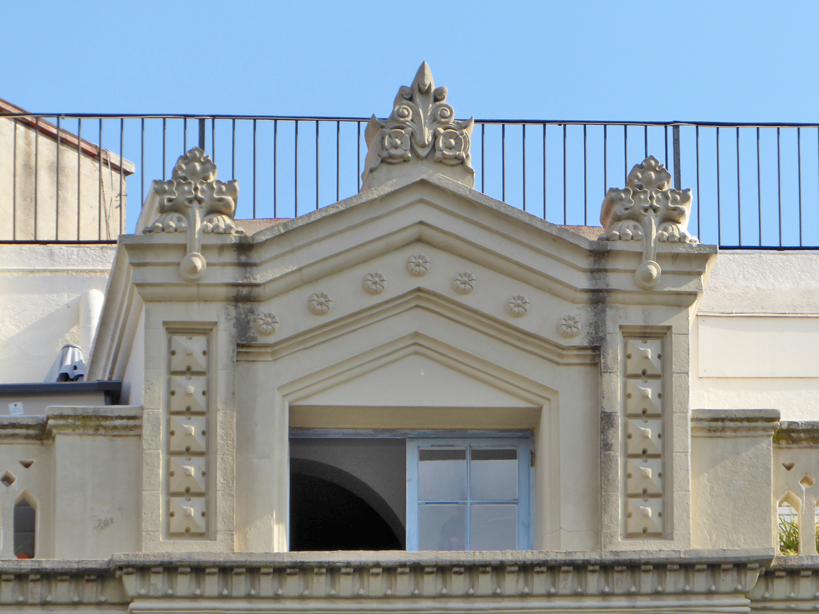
[421, 315]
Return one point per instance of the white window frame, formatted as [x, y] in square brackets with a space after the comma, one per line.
[523, 445]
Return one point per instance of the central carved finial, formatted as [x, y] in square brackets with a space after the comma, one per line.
[421, 133]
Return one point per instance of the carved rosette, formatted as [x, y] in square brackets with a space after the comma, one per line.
[647, 209]
[422, 127]
[195, 202]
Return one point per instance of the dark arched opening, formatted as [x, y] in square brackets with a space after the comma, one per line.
[333, 510]
[25, 522]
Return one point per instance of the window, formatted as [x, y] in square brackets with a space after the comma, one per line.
[469, 494]
[25, 520]
[421, 491]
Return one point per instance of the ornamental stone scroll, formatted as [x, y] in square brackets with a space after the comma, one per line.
[647, 209]
[195, 202]
[421, 133]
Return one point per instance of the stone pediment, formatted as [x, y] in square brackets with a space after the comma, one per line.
[429, 208]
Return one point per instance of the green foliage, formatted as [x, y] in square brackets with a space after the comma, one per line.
[789, 536]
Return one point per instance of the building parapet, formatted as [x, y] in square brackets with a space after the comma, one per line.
[116, 420]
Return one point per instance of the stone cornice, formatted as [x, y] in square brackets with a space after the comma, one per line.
[797, 435]
[790, 584]
[734, 422]
[107, 420]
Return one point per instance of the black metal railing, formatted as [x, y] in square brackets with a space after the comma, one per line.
[755, 186]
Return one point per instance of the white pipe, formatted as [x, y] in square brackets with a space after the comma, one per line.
[90, 311]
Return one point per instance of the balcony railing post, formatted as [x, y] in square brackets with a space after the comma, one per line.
[677, 172]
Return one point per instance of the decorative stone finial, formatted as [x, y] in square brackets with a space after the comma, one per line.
[421, 132]
[194, 201]
[648, 209]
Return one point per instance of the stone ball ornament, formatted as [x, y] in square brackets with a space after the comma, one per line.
[464, 283]
[517, 306]
[267, 324]
[569, 327]
[319, 304]
[418, 265]
[374, 283]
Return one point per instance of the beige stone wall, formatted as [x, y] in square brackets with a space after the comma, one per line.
[43, 295]
[101, 213]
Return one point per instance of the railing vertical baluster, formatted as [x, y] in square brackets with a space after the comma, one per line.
[184, 134]
[625, 154]
[524, 167]
[605, 160]
[544, 170]
[317, 165]
[296, 174]
[699, 194]
[57, 183]
[759, 186]
[719, 210]
[213, 139]
[165, 145]
[503, 162]
[202, 133]
[36, 164]
[799, 170]
[233, 151]
[99, 190]
[79, 175]
[14, 182]
[645, 141]
[121, 173]
[585, 178]
[483, 158]
[142, 164]
[358, 181]
[565, 187]
[677, 158]
[779, 181]
[338, 161]
[275, 166]
[254, 169]
[666, 150]
[739, 194]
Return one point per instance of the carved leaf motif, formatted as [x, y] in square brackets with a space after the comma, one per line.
[421, 121]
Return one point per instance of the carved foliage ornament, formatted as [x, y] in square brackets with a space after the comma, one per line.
[647, 209]
[195, 202]
[422, 126]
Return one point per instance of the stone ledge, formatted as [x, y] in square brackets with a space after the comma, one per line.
[797, 435]
[734, 422]
[108, 420]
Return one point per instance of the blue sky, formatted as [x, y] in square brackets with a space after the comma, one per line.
[717, 60]
[731, 61]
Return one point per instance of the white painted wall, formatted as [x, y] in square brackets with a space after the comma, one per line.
[754, 342]
[42, 288]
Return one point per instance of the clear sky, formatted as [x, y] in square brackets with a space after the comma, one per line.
[733, 60]
[715, 60]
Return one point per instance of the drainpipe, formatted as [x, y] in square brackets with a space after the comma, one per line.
[90, 310]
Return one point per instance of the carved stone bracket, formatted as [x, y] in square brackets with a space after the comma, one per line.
[648, 209]
[195, 202]
[421, 129]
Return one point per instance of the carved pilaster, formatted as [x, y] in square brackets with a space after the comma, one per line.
[187, 420]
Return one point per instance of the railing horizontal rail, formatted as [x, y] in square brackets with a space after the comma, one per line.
[754, 185]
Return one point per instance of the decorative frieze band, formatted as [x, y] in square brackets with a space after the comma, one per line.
[186, 483]
[643, 404]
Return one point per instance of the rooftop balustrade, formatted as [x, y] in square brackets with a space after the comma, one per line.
[754, 186]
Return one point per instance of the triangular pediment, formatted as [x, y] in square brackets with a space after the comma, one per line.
[416, 381]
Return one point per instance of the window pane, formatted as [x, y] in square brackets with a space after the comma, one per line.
[442, 527]
[442, 474]
[494, 474]
[494, 527]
